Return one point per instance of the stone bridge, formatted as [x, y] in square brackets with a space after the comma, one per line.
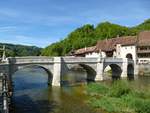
[56, 67]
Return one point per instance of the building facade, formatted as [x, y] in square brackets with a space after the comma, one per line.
[143, 48]
[132, 47]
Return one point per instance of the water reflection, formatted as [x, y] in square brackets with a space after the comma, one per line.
[33, 95]
[73, 77]
[30, 79]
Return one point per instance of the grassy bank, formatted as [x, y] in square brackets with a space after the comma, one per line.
[119, 97]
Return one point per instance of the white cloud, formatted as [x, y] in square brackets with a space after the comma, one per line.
[28, 40]
[21, 37]
[8, 28]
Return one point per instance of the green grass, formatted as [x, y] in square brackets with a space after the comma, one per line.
[119, 97]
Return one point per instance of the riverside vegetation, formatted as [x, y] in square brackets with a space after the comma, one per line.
[119, 97]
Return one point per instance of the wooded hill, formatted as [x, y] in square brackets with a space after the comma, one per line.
[88, 35]
[20, 50]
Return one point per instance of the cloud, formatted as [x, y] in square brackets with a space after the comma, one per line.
[22, 37]
[28, 40]
[8, 28]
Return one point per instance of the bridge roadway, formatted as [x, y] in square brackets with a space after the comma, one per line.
[59, 66]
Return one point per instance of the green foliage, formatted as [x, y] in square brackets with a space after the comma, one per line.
[144, 26]
[55, 49]
[87, 35]
[97, 88]
[20, 50]
[142, 106]
[79, 38]
[109, 30]
[111, 105]
[119, 88]
[119, 97]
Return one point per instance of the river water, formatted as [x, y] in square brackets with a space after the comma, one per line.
[33, 95]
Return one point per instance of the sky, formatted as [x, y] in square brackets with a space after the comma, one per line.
[42, 22]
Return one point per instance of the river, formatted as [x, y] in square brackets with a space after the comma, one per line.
[33, 95]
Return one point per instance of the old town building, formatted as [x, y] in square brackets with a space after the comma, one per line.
[132, 47]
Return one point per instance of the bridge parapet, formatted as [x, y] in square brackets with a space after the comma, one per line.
[30, 60]
[113, 60]
[79, 60]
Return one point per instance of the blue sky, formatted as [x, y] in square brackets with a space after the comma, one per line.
[42, 22]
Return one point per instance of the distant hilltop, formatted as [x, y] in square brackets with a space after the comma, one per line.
[20, 50]
[88, 35]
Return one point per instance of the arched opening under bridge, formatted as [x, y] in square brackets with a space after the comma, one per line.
[78, 74]
[31, 76]
[112, 71]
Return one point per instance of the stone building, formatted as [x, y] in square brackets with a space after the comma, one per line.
[132, 47]
[143, 48]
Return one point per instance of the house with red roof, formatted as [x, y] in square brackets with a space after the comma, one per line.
[132, 47]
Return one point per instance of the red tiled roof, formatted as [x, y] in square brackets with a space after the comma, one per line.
[109, 45]
[144, 38]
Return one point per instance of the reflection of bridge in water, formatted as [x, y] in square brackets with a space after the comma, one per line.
[56, 67]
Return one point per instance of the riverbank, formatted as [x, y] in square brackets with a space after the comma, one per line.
[119, 97]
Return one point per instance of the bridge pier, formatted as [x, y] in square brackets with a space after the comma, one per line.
[57, 72]
[136, 69]
[99, 70]
[124, 68]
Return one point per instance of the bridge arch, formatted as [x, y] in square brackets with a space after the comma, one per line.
[31, 66]
[78, 73]
[114, 70]
[91, 73]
